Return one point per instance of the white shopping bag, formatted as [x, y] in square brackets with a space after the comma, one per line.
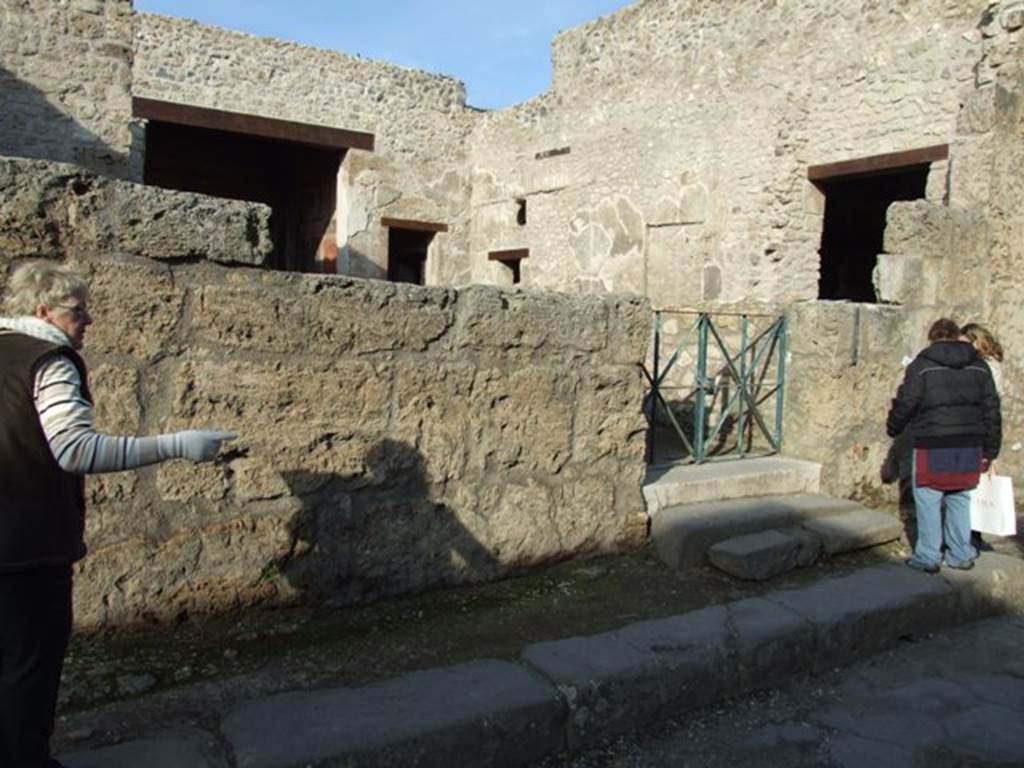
[992, 509]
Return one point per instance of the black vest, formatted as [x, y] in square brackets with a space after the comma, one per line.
[42, 507]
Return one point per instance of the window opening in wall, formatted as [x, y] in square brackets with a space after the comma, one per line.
[291, 167]
[512, 261]
[407, 255]
[857, 195]
[408, 243]
[521, 212]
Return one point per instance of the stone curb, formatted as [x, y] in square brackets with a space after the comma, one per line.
[579, 691]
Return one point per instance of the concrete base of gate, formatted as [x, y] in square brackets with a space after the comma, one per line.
[674, 484]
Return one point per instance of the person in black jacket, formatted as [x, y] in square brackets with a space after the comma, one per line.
[949, 402]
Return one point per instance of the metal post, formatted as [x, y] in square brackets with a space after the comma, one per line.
[655, 387]
[740, 418]
[702, 366]
[780, 390]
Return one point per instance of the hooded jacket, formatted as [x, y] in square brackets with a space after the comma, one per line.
[948, 399]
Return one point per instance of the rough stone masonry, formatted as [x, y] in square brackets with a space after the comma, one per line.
[393, 437]
[670, 159]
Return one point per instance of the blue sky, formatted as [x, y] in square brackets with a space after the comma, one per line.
[500, 50]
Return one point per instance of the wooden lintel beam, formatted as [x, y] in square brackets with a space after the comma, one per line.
[511, 254]
[878, 163]
[250, 125]
[419, 226]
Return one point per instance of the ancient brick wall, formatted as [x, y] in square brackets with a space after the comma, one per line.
[65, 79]
[419, 121]
[392, 437]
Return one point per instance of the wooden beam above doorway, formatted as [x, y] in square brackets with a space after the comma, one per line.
[865, 166]
[511, 254]
[419, 226]
[250, 125]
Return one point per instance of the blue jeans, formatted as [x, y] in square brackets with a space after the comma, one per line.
[932, 526]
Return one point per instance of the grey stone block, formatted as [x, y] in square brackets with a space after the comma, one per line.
[620, 680]
[991, 588]
[499, 712]
[856, 752]
[770, 643]
[862, 613]
[756, 556]
[990, 734]
[683, 534]
[192, 749]
[854, 529]
[762, 476]
[810, 545]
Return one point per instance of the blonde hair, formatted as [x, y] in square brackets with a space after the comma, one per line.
[983, 341]
[42, 282]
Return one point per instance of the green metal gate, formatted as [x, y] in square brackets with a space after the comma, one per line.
[731, 393]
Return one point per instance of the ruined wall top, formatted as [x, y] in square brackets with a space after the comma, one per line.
[65, 80]
[413, 113]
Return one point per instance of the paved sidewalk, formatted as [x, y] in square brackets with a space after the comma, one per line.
[576, 692]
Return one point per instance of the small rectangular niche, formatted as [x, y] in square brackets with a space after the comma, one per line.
[521, 211]
[408, 245]
[512, 260]
[857, 195]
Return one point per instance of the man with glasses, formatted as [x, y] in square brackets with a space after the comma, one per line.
[48, 441]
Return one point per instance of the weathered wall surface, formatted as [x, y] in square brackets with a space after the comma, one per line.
[392, 437]
[959, 257]
[417, 170]
[670, 158]
[65, 80]
[686, 129]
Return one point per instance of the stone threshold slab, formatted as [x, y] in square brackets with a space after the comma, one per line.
[669, 485]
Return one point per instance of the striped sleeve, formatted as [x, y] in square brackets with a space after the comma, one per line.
[67, 420]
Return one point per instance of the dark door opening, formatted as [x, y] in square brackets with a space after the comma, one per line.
[854, 227]
[512, 260]
[297, 181]
[407, 254]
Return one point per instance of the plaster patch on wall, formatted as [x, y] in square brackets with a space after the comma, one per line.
[608, 244]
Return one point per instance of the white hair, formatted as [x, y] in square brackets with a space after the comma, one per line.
[42, 282]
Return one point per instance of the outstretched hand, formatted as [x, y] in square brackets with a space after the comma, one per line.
[194, 444]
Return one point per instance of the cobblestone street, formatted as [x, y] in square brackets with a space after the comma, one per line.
[954, 699]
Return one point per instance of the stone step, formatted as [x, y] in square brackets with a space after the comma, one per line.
[856, 529]
[683, 533]
[671, 485]
[762, 555]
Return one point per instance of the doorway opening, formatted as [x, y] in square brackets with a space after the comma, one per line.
[290, 167]
[511, 260]
[409, 242]
[407, 255]
[858, 194]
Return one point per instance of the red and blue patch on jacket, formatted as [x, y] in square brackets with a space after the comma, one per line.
[947, 469]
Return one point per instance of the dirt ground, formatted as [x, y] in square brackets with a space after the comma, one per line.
[124, 686]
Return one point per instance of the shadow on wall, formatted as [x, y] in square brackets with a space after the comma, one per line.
[356, 264]
[365, 536]
[32, 126]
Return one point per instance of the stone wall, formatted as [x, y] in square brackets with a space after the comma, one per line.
[392, 437]
[958, 257]
[65, 79]
[670, 156]
[419, 120]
